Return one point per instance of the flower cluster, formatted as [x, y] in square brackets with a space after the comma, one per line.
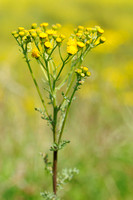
[43, 38]
[46, 39]
[84, 38]
[82, 72]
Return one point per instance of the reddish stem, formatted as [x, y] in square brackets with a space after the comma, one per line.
[55, 172]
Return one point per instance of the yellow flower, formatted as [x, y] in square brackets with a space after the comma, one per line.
[102, 39]
[51, 32]
[48, 45]
[72, 41]
[80, 44]
[82, 75]
[21, 33]
[43, 35]
[100, 31]
[35, 53]
[79, 71]
[45, 24]
[85, 69]
[88, 74]
[34, 25]
[38, 30]
[58, 40]
[54, 27]
[78, 34]
[72, 49]
[81, 27]
[62, 36]
[16, 35]
[34, 35]
[58, 25]
[20, 28]
[88, 42]
[89, 29]
[14, 32]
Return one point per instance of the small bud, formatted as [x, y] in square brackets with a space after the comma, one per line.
[80, 44]
[58, 25]
[102, 39]
[34, 26]
[16, 35]
[88, 74]
[34, 35]
[100, 31]
[14, 32]
[82, 75]
[81, 82]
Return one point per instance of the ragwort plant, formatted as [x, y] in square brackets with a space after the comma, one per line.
[41, 42]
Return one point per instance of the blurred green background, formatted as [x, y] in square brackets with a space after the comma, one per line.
[100, 121]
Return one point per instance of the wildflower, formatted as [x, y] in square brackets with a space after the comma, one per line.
[58, 40]
[81, 27]
[54, 27]
[43, 35]
[78, 71]
[38, 30]
[102, 39]
[34, 35]
[50, 32]
[80, 44]
[89, 29]
[45, 24]
[85, 69]
[100, 31]
[88, 42]
[58, 25]
[72, 49]
[20, 28]
[31, 30]
[16, 35]
[34, 25]
[78, 34]
[48, 45]
[88, 74]
[21, 33]
[62, 36]
[82, 75]
[14, 32]
[72, 41]
[35, 53]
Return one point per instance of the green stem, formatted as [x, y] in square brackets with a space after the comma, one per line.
[64, 62]
[36, 85]
[68, 107]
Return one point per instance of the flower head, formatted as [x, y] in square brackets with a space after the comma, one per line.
[102, 39]
[35, 53]
[80, 44]
[72, 49]
[45, 24]
[43, 35]
[48, 45]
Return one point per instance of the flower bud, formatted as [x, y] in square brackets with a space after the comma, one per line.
[34, 26]
[102, 39]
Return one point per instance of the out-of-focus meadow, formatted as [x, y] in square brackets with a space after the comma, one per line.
[100, 121]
